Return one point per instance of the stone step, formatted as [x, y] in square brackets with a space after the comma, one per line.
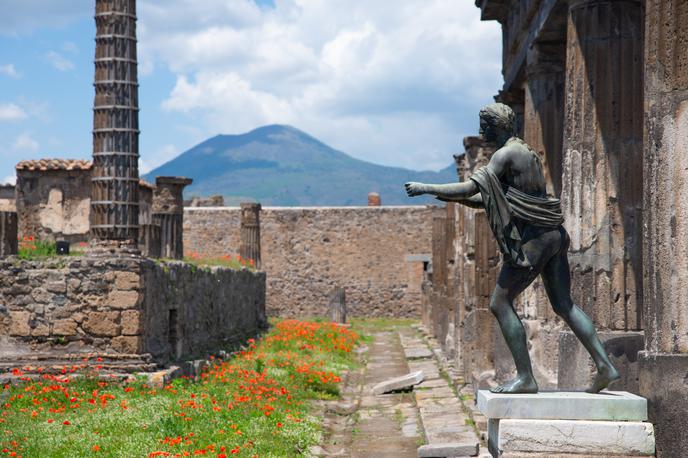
[576, 437]
[607, 405]
[398, 383]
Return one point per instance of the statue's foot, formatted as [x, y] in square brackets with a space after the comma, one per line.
[522, 384]
[604, 377]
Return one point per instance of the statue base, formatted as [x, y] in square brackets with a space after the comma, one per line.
[571, 424]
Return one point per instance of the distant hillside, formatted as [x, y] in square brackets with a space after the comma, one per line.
[283, 166]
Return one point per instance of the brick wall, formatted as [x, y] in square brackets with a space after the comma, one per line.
[373, 252]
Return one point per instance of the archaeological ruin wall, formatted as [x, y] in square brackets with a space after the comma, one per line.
[377, 254]
[150, 311]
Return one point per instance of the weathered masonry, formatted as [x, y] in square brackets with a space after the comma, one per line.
[113, 301]
[601, 91]
[377, 254]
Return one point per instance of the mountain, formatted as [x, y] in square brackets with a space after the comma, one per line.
[282, 166]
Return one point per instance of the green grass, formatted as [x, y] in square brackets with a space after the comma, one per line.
[257, 403]
[30, 249]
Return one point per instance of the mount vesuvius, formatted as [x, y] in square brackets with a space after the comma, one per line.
[282, 166]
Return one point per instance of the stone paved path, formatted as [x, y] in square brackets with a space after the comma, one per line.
[395, 425]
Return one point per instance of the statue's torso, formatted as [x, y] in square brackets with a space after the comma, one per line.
[524, 170]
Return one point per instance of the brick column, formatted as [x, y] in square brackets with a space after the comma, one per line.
[664, 363]
[250, 232]
[168, 213]
[602, 181]
[8, 234]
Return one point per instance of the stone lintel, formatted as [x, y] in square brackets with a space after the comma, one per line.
[575, 437]
[564, 405]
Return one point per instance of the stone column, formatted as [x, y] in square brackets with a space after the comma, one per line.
[250, 233]
[8, 234]
[602, 171]
[168, 213]
[544, 108]
[602, 182]
[664, 363]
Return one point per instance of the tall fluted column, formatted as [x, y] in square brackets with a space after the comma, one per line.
[602, 183]
[168, 213]
[602, 172]
[250, 233]
[664, 364]
[115, 182]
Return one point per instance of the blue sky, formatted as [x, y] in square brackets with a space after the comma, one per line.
[388, 82]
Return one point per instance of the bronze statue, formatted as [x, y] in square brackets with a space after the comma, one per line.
[528, 228]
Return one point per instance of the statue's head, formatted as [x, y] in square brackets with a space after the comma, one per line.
[497, 121]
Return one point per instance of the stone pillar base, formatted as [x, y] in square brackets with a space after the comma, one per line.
[576, 369]
[573, 424]
[664, 381]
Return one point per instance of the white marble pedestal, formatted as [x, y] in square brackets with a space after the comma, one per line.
[608, 424]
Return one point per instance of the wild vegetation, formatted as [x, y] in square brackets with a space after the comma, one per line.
[254, 404]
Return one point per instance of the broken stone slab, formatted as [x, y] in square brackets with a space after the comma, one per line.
[574, 437]
[449, 449]
[404, 382]
[607, 405]
[417, 353]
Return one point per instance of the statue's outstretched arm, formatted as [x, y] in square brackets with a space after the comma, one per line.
[451, 191]
[475, 201]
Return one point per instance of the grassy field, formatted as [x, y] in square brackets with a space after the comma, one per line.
[255, 404]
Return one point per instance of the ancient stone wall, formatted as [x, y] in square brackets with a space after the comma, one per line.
[376, 253]
[7, 198]
[72, 305]
[54, 204]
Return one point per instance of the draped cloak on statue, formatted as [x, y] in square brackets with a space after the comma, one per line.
[503, 203]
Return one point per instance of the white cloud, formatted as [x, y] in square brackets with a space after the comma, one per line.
[9, 70]
[396, 85]
[25, 143]
[60, 62]
[10, 179]
[11, 112]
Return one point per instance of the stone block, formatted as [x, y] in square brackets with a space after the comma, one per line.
[102, 324]
[126, 344]
[64, 327]
[607, 405]
[576, 369]
[452, 449]
[40, 330]
[579, 437]
[19, 323]
[41, 296]
[131, 322]
[399, 383]
[123, 299]
[127, 280]
[663, 381]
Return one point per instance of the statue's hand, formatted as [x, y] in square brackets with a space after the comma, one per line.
[414, 189]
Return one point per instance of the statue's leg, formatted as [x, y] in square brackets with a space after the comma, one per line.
[511, 282]
[556, 277]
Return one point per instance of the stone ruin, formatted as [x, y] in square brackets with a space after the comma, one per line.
[600, 92]
[113, 302]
